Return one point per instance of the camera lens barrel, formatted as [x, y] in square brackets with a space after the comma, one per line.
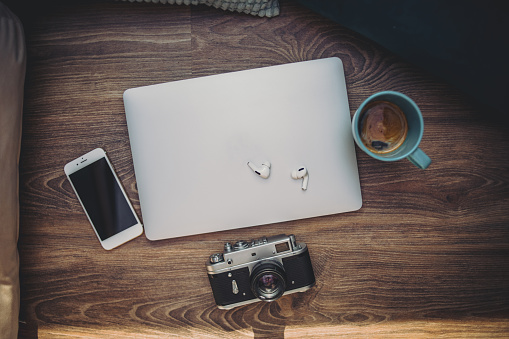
[268, 281]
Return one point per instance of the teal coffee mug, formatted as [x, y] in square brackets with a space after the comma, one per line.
[389, 127]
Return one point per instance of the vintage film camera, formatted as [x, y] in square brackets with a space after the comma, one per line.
[263, 269]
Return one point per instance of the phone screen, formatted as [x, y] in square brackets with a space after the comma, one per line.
[103, 199]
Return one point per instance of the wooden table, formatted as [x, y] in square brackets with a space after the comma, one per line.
[426, 256]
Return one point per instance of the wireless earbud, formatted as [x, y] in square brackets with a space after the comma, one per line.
[301, 173]
[263, 171]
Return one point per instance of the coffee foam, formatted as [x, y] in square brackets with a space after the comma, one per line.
[383, 127]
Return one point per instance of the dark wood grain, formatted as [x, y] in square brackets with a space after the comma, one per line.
[427, 255]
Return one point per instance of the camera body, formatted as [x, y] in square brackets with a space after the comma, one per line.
[263, 269]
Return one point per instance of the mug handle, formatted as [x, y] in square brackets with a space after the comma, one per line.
[419, 159]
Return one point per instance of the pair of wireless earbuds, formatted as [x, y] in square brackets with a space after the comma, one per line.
[264, 172]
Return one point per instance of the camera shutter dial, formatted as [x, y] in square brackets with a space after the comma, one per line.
[241, 244]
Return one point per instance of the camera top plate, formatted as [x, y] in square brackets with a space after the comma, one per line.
[243, 253]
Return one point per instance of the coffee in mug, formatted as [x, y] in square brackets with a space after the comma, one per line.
[383, 126]
[389, 126]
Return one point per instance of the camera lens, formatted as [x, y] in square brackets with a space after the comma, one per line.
[268, 281]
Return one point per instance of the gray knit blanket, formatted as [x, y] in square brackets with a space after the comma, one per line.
[262, 8]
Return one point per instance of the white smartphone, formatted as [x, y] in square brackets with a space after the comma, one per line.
[104, 200]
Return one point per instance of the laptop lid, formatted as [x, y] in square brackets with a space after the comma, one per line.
[191, 141]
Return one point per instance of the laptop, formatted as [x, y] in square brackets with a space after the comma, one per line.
[191, 141]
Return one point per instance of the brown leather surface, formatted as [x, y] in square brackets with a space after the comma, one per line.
[12, 75]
